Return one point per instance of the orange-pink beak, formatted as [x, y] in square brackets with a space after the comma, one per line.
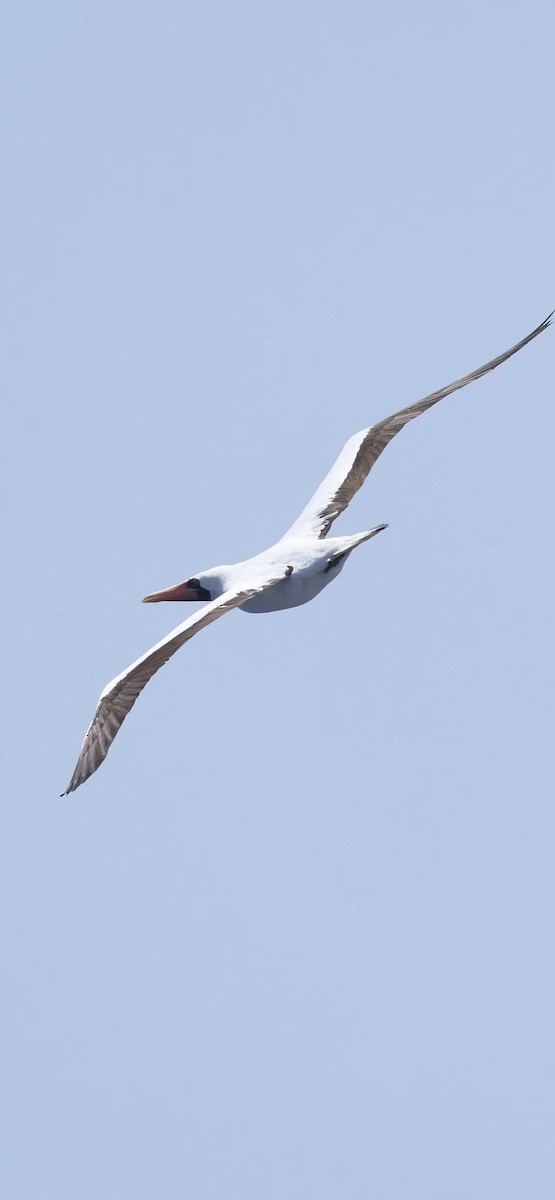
[182, 591]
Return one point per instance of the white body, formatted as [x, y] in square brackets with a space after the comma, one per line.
[315, 564]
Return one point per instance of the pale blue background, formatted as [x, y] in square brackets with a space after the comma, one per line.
[295, 939]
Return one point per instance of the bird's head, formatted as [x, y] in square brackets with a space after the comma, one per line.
[207, 585]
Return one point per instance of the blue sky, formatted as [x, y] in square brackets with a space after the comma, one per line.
[294, 939]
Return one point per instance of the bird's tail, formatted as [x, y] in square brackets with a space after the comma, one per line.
[357, 538]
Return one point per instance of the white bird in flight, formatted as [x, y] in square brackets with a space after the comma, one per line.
[290, 573]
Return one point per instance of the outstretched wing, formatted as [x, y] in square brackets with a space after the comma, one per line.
[119, 696]
[361, 452]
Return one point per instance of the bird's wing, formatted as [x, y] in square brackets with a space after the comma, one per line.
[119, 696]
[361, 452]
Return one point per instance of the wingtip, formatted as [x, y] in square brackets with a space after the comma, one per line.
[546, 322]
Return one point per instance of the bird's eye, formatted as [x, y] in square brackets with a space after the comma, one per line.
[193, 583]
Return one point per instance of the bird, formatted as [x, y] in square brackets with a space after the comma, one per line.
[290, 573]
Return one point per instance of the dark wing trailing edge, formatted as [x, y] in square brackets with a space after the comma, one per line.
[120, 694]
[361, 452]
